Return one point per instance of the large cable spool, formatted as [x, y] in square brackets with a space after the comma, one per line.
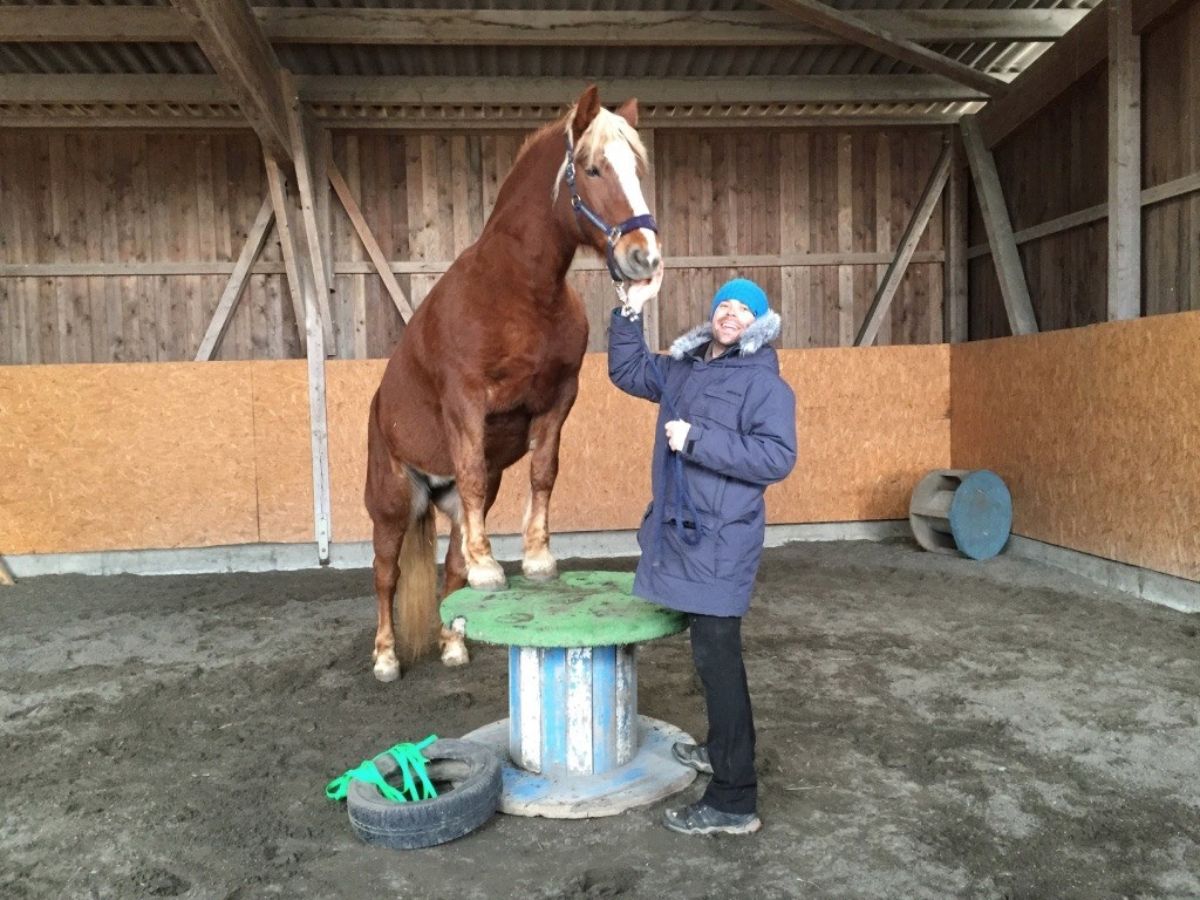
[961, 511]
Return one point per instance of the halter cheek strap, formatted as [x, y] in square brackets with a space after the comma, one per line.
[612, 233]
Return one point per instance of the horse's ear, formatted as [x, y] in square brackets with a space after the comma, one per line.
[628, 111]
[585, 110]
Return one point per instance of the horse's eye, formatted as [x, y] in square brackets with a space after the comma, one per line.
[593, 172]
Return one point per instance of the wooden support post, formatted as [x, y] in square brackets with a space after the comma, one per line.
[650, 315]
[226, 306]
[378, 258]
[287, 242]
[908, 245]
[318, 424]
[999, 230]
[302, 160]
[6, 575]
[317, 321]
[1124, 163]
[955, 313]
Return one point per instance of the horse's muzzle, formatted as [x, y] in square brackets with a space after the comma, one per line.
[640, 262]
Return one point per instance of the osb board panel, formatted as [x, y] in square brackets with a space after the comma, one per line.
[109, 457]
[1097, 447]
[282, 451]
[198, 454]
[870, 422]
[349, 386]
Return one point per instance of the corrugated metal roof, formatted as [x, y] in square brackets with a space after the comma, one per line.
[1003, 59]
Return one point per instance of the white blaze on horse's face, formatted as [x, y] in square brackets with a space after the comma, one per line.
[624, 163]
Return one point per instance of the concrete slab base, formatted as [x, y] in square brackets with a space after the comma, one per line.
[651, 775]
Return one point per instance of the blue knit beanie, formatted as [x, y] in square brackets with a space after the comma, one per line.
[744, 291]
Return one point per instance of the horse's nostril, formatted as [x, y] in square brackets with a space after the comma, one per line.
[640, 257]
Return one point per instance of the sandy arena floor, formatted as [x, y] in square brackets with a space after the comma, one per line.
[928, 727]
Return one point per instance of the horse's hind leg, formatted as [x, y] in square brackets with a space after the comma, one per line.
[388, 498]
[388, 538]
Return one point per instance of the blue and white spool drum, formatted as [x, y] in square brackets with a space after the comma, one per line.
[572, 710]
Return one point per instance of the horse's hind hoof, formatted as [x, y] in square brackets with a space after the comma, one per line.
[387, 667]
[487, 576]
[455, 655]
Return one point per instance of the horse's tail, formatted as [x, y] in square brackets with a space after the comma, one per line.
[391, 502]
[418, 625]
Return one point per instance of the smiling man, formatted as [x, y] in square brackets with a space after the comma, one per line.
[731, 420]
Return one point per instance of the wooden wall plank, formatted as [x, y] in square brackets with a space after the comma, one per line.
[720, 193]
[1171, 97]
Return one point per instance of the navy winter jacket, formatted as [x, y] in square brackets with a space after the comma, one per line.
[743, 437]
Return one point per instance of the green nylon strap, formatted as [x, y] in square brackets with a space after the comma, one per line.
[409, 761]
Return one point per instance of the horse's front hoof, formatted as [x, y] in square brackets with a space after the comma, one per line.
[486, 576]
[540, 568]
[387, 667]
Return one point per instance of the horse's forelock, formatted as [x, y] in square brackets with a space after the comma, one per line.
[603, 130]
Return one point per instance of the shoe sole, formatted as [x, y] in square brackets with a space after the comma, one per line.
[748, 828]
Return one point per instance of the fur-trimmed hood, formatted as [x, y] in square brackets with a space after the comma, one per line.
[762, 331]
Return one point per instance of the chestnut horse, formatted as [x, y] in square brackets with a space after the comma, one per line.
[488, 367]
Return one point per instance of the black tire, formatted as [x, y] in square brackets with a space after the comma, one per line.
[473, 772]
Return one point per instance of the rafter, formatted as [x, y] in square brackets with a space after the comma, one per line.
[241, 55]
[487, 91]
[534, 28]
[1049, 75]
[858, 31]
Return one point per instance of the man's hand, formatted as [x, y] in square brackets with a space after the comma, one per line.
[640, 293]
[677, 432]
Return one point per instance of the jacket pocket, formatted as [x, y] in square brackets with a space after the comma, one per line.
[676, 557]
[706, 488]
[722, 405]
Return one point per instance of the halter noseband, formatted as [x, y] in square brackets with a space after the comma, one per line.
[612, 233]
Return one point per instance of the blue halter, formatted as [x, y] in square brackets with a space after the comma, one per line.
[612, 234]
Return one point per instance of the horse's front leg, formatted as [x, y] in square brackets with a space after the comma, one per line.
[465, 428]
[544, 431]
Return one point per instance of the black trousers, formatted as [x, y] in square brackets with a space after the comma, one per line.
[717, 652]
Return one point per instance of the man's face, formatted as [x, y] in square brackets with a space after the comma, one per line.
[730, 320]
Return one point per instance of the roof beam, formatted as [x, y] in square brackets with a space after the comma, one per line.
[116, 24]
[471, 91]
[115, 89]
[637, 28]
[1080, 51]
[335, 89]
[240, 54]
[859, 31]
[531, 28]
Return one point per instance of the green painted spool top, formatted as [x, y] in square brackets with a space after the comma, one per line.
[577, 609]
